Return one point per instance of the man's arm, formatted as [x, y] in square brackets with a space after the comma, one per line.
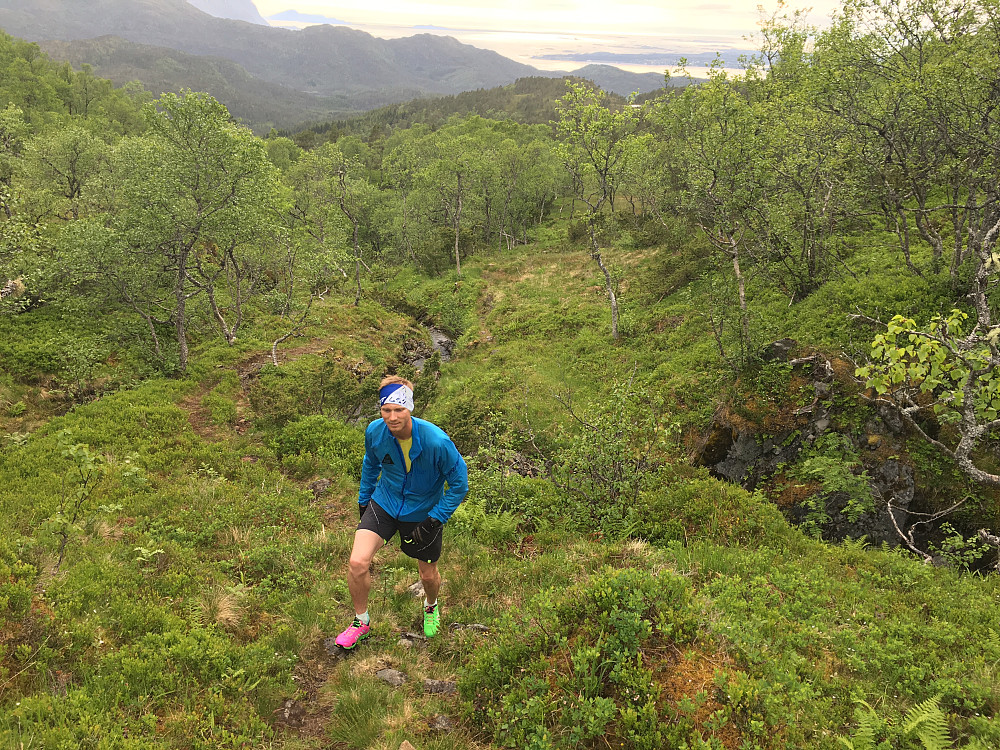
[370, 469]
[452, 466]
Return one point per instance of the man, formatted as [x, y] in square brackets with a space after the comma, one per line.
[407, 461]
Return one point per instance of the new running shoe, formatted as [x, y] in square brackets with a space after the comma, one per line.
[350, 637]
[432, 618]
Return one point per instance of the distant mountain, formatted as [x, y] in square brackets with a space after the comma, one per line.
[619, 81]
[256, 102]
[319, 72]
[531, 101]
[324, 60]
[294, 15]
[238, 10]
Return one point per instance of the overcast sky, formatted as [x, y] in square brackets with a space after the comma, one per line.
[535, 31]
[732, 19]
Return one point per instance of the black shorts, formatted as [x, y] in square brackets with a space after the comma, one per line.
[382, 523]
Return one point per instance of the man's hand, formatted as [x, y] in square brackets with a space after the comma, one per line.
[361, 510]
[425, 531]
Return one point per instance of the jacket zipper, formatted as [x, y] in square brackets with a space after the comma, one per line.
[406, 473]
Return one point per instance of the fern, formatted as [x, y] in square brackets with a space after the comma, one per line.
[868, 726]
[856, 545]
[926, 721]
[930, 724]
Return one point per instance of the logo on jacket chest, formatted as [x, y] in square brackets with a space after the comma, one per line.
[388, 460]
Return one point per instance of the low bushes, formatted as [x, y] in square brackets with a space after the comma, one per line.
[577, 669]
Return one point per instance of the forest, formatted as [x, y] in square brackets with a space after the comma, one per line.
[721, 361]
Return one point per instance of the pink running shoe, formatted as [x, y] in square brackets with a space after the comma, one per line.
[350, 637]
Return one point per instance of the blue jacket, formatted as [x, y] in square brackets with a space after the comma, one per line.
[419, 493]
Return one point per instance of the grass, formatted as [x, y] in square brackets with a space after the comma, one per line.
[207, 570]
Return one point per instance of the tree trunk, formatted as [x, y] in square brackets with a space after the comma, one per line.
[742, 290]
[180, 322]
[458, 222]
[612, 298]
[228, 334]
[357, 267]
[595, 253]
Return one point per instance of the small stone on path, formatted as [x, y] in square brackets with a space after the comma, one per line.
[410, 639]
[291, 713]
[332, 649]
[440, 722]
[391, 676]
[471, 626]
[439, 686]
[406, 746]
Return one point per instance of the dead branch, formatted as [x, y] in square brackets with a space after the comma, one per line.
[295, 329]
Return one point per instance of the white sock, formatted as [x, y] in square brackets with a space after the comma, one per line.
[364, 618]
[429, 604]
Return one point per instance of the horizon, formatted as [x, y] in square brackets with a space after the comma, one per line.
[534, 32]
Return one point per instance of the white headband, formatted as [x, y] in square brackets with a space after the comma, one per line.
[399, 395]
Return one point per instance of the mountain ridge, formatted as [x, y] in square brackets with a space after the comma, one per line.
[346, 70]
[238, 10]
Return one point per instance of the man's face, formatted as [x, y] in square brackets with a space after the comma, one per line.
[397, 419]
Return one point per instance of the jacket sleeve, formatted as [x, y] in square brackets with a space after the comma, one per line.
[452, 467]
[370, 469]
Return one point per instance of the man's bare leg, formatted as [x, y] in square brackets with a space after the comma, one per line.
[430, 576]
[431, 579]
[359, 580]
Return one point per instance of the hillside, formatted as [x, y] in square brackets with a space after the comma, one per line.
[271, 72]
[733, 442]
[324, 60]
[249, 98]
[531, 101]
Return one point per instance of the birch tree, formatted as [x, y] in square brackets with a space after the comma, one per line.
[596, 143]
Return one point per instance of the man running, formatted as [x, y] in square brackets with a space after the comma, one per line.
[407, 461]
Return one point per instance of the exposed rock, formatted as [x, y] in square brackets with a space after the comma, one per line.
[440, 723]
[779, 350]
[890, 416]
[319, 487]
[820, 426]
[406, 746]
[472, 626]
[410, 639]
[332, 649]
[749, 461]
[715, 447]
[445, 687]
[416, 590]
[892, 483]
[391, 676]
[291, 713]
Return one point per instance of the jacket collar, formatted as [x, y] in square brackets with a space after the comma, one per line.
[415, 446]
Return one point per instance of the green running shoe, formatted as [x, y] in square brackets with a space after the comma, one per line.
[432, 618]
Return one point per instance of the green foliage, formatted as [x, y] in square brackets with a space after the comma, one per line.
[492, 528]
[77, 499]
[680, 509]
[833, 462]
[960, 551]
[17, 580]
[611, 461]
[220, 401]
[573, 667]
[925, 722]
[342, 447]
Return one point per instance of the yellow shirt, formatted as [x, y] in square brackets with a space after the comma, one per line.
[406, 445]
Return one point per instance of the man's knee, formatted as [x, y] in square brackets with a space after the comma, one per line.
[429, 574]
[359, 565]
